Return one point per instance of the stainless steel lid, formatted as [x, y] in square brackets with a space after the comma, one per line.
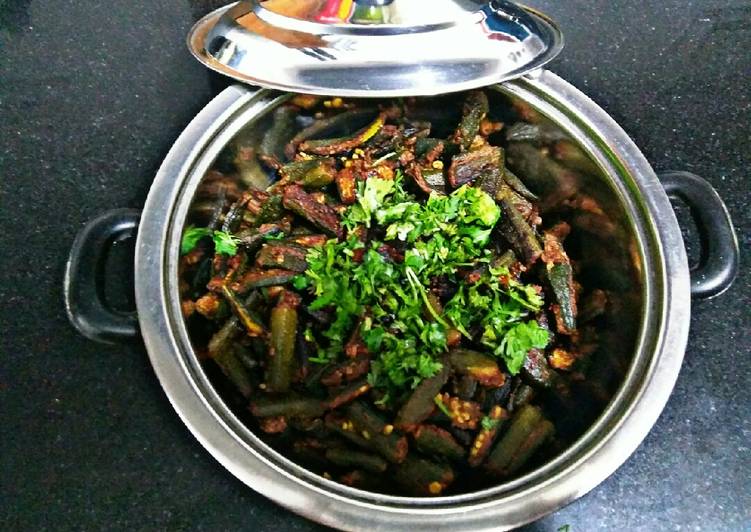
[374, 48]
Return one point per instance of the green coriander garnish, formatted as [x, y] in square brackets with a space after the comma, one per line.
[224, 243]
[404, 332]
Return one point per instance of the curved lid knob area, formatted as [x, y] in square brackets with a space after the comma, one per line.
[374, 48]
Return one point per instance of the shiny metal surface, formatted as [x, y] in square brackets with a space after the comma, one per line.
[606, 445]
[374, 48]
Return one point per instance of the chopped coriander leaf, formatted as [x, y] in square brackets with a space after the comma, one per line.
[442, 235]
[370, 196]
[518, 341]
[191, 236]
[225, 243]
[300, 282]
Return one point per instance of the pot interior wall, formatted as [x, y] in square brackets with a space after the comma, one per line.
[571, 188]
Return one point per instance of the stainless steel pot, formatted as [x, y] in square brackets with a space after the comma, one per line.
[667, 286]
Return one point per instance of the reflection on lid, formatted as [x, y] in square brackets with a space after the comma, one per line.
[335, 11]
[375, 47]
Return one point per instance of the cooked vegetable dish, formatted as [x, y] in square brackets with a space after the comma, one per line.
[379, 295]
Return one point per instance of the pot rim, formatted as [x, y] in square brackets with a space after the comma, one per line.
[592, 458]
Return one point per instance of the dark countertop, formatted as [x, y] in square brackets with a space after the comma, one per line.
[92, 94]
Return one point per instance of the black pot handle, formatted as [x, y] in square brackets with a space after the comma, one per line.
[84, 301]
[718, 266]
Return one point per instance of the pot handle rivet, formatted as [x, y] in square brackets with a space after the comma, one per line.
[719, 263]
[84, 303]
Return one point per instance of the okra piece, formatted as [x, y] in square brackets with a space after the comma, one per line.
[429, 149]
[475, 109]
[414, 171]
[329, 125]
[271, 210]
[233, 215]
[344, 144]
[518, 185]
[483, 165]
[522, 395]
[346, 185]
[262, 278]
[380, 436]
[536, 369]
[549, 179]
[435, 441]
[419, 476]
[490, 427]
[282, 255]
[310, 173]
[319, 214]
[341, 424]
[365, 481]
[288, 405]
[311, 425]
[234, 370]
[528, 431]
[252, 238]
[252, 327]
[306, 241]
[522, 205]
[519, 233]
[223, 338]
[491, 182]
[348, 458]
[249, 170]
[345, 371]
[465, 387]
[561, 281]
[569, 154]
[504, 261]
[348, 394]
[282, 348]
[480, 367]
[539, 134]
[562, 359]
[311, 452]
[271, 149]
[560, 277]
[422, 401]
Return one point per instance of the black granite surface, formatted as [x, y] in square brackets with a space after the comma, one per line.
[93, 93]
